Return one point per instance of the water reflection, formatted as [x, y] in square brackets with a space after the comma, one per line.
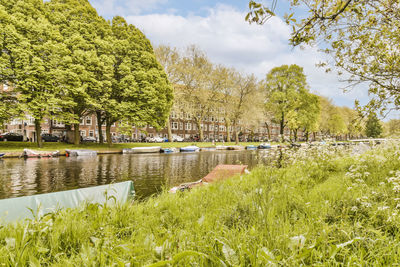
[150, 173]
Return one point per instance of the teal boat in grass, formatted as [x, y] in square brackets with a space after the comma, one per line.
[14, 209]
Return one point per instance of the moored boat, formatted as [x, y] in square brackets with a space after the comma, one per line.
[19, 208]
[28, 153]
[251, 147]
[169, 150]
[80, 152]
[207, 149]
[141, 150]
[264, 146]
[220, 172]
[190, 149]
[2, 155]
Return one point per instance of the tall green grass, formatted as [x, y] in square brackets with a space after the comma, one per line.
[322, 207]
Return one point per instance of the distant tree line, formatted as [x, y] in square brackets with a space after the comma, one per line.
[242, 102]
[63, 61]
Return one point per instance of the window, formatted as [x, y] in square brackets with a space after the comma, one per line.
[83, 133]
[173, 115]
[81, 122]
[181, 125]
[221, 128]
[88, 120]
[188, 126]
[211, 127]
[174, 126]
[91, 133]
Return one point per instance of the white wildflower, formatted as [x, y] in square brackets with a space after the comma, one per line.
[297, 242]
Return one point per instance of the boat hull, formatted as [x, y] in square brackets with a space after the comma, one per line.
[142, 150]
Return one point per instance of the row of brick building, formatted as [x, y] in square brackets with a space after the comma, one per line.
[213, 129]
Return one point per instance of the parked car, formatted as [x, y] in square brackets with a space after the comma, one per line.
[158, 139]
[11, 137]
[50, 138]
[89, 139]
[177, 138]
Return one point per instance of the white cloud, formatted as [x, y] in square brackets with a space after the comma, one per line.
[228, 39]
[124, 7]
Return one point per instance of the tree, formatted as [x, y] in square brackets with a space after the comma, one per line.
[79, 25]
[332, 121]
[373, 127]
[245, 87]
[140, 91]
[30, 57]
[306, 115]
[392, 128]
[284, 88]
[169, 58]
[361, 36]
[354, 122]
[197, 90]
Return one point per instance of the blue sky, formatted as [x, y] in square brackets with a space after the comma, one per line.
[219, 29]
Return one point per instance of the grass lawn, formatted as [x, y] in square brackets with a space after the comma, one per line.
[323, 207]
[19, 146]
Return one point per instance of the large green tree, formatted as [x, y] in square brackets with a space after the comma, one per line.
[373, 126]
[284, 88]
[305, 115]
[30, 56]
[83, 69]
[140, 91]
[363, 38]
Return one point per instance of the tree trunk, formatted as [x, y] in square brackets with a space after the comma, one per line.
[307, 136]
[282, 124]
[38, 129]
[99, 127]
[170, 139]
[236, 133]
[268, 131]
[108, 133]
[228, 133]
[295, 135]
[77, 134]
[201, 132]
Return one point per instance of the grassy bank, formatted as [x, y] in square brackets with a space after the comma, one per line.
[19, 146]
[323, 207]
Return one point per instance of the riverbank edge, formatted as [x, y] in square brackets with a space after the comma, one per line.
[16, 153]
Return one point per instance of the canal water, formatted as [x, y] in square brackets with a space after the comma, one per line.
[151, 173]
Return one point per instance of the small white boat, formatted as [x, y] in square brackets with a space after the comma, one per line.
[264, 146]
[190, 149]
[140, 150]
[28, 153]
[221, 147]
[80, 152]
